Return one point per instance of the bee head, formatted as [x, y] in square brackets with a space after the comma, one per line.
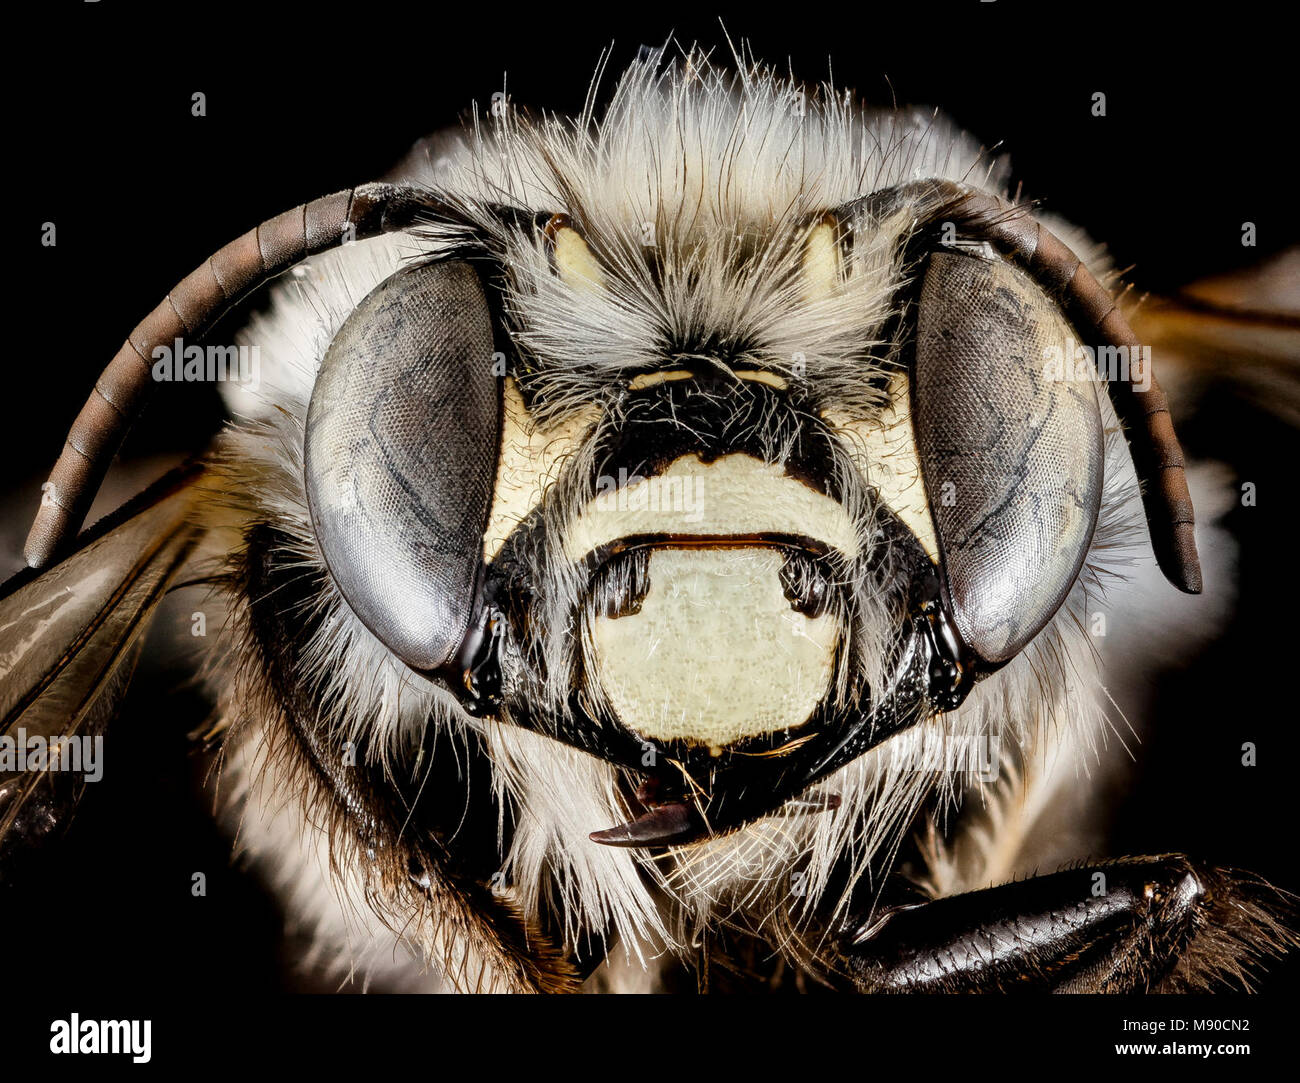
[725, 565]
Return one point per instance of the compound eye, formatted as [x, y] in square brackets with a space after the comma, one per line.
[1010, 441]
[401, 451]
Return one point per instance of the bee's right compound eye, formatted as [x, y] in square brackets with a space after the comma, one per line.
[401, 450]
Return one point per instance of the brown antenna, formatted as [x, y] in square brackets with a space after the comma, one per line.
[190, 310]
[1153, 444]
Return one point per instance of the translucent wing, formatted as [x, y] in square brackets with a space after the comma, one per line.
[69, 638]
[1237, 334]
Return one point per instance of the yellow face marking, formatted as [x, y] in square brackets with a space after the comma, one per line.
[652, 379]
[531, 459]
[735, 495]
[884, 451]
[659, 668]
[759, 376]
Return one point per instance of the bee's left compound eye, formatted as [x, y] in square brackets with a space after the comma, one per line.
[1010, 437]
[401, 449]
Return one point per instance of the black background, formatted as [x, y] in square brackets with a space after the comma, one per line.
[307, 99]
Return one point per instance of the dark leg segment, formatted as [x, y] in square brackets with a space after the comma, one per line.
[1162, 924]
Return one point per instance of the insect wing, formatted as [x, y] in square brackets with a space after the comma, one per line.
[69, 638]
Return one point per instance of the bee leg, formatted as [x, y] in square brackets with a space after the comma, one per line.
[1163, 924]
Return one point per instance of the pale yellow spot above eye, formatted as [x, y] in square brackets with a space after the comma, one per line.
[574, 262]
[652, 379]
[821, 262]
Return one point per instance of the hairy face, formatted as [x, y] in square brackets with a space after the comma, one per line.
[690, 474]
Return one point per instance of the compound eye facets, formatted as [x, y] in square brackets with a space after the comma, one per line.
[401, 452]
[1011, 450]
